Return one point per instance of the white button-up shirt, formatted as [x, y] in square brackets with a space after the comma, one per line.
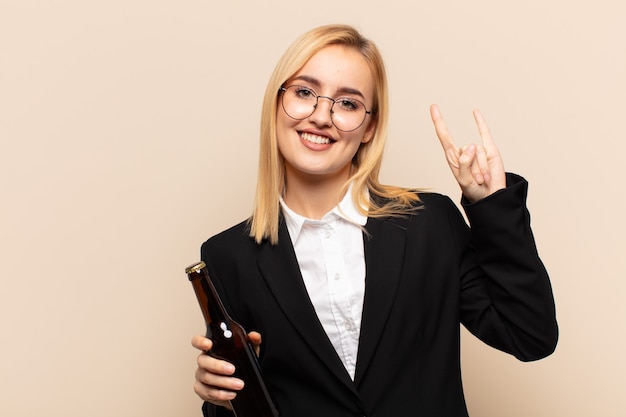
[332, 262]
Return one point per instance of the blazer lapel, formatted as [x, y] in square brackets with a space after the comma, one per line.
[384, 253]
[279, 268]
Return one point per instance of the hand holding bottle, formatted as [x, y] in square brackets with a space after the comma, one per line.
[214, 380]
[235, 354]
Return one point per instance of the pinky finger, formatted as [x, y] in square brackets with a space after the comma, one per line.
[483, 129]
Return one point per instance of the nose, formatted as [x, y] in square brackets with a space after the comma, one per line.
[321, 115]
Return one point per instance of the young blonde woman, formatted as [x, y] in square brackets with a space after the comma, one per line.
[354, 291]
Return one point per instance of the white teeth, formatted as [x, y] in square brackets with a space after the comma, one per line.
[314, 138]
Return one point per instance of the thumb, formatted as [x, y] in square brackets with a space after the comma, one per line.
[255, 340]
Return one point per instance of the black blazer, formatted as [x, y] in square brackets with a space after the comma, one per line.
[425, 274]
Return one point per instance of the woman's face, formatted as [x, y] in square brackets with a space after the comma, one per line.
[313, 147]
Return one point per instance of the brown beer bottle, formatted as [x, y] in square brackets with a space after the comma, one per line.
[230, 343]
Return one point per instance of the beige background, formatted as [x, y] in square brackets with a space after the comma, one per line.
[128, 134]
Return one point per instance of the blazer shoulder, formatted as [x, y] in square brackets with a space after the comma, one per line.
[235, 239]
[433, 199]
[432, 203]
[438, 211]
[425, 200]
[432, 210]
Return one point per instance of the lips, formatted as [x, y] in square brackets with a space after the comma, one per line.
[320, 140]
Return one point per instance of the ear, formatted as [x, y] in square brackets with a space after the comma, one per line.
[369, 132]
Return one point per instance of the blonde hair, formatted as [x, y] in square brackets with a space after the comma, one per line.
[367, 161]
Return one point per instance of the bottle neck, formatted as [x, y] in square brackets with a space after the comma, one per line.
[210, 303]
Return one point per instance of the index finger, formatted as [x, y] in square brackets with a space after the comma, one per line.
[441, 129]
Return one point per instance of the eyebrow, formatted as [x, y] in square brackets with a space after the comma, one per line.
[340, 90]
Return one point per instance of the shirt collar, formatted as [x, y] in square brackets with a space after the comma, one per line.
[346, 209]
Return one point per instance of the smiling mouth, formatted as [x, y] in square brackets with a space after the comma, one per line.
[320, 140]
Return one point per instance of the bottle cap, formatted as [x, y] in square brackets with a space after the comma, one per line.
[192, 269]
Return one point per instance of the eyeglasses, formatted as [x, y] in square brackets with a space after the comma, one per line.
[346, 113]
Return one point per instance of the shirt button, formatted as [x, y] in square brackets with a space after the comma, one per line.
[348, 325]
[337, 276]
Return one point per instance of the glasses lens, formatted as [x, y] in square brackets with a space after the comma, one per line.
[299, 102]
[347, 114]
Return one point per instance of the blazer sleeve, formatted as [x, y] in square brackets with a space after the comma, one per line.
[506, 296]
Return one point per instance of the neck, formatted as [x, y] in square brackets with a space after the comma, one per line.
[313, 196]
